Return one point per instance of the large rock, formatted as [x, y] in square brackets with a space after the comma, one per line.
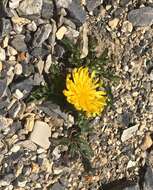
[41, 34]
[30, 7]
[40, 134]
[47, 9]
[141, 17]
[75, 10]
[18, 43]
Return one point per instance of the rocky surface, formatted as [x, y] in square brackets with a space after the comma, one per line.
[31, 34]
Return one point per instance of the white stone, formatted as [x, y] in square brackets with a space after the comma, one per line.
[128, 133]
[18, 94]
[113, 23]
[18, 69]
[15, 148]
[61, 32]
[30, 7]
[2, 54]
[32, 26]
[40, 134]
[131, 164]
[13, 4]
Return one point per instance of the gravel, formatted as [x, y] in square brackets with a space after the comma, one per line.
[31, 35]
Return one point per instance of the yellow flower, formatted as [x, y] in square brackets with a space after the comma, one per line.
[82, 92]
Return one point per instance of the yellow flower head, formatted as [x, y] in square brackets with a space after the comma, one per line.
[82, 92]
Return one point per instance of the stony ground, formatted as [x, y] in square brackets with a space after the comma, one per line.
[31, 32]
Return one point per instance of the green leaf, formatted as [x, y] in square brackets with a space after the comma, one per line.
[84, 148]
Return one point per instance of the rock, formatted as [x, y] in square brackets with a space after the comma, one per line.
[147, 142]
[57, 186]
[76, 12]
[124, 2]
[32, 26]
[141, 17]
[11, 51]
[20, 20]
[18, 69]
[2, 54]
[3, 87]
[131, 164]
[18, 43]
[16, 109]
[148, 179]
[61, 32]
[40, 52]
[128, 133]
[5, 27]
[63, 3]
[47, 9]
[1, 66]
[30, 7]
[113, 23]
[28, 69]
[15, 148]
[127, 27]
[5, 41]
[48, 63]
[127, 117]
[24, 86]
[133, 187]
[5, 123]
[28, 144]
[41, 34]
[59, 51]
[40, 134]
[121, 184]
[13, 4]
[15, 127]
[18, 94]
[40, 66]
[92, 4]
[7, 179]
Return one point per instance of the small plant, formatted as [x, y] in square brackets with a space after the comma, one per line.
[85, 93]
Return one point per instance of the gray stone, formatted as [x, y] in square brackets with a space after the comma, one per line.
[41, 34]
[40, 52]
[141, 17]
[5, 27]
[30, 7]
[24, 86]
[40, 134]
[47, 9]
[76, 12]
[133, 187]
[7, 180]
[19, 44]
[92, 4]
[3, 87]
[4, 10]
[124, 2]
[148, 179]
[57, 186]
[28, 69]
